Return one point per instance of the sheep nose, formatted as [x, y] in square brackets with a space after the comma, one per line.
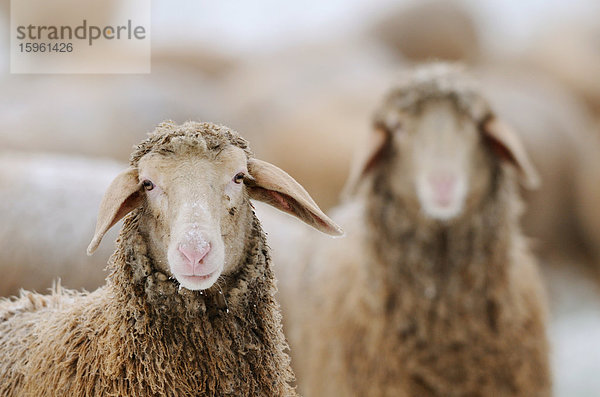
[444, 184]
[194, 253]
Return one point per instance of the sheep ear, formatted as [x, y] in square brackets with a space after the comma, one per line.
[367, 158]
[508, 145]
[122, 196]
[274, 186]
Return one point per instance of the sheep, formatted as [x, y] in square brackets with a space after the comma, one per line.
[49, 202]
[407, 30]
[188, 307]
[433, 291]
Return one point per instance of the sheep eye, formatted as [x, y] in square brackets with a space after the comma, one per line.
[148, 185]
[238, 178]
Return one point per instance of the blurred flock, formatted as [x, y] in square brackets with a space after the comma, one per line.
[300, 80]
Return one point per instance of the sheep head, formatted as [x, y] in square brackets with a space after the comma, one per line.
[193, 187]
[439, 143]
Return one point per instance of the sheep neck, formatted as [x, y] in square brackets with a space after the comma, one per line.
[136, 276]
[198, 343]
[452, 264]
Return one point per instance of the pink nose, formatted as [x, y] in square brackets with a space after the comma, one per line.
[443, 186]
[194, 253]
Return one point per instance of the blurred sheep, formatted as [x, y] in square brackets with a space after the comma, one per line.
[48, 211]
[429, 30]
[434, 290]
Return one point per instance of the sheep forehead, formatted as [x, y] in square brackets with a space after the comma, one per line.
[191, 166]
[439, 134]
[439, 119]
[190, 137]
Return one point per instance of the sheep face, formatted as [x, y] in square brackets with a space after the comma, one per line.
[196, 213]
[442, 165]
[437, 146]
[193, 200]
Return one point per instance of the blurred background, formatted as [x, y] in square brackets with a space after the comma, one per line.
[299, 80]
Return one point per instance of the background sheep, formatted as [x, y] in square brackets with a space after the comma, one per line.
[188, 308]
[47, 209]
[408, 30]
[433, 291]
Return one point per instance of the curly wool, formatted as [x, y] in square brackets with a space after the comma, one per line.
[169, 138]
[143, 335]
